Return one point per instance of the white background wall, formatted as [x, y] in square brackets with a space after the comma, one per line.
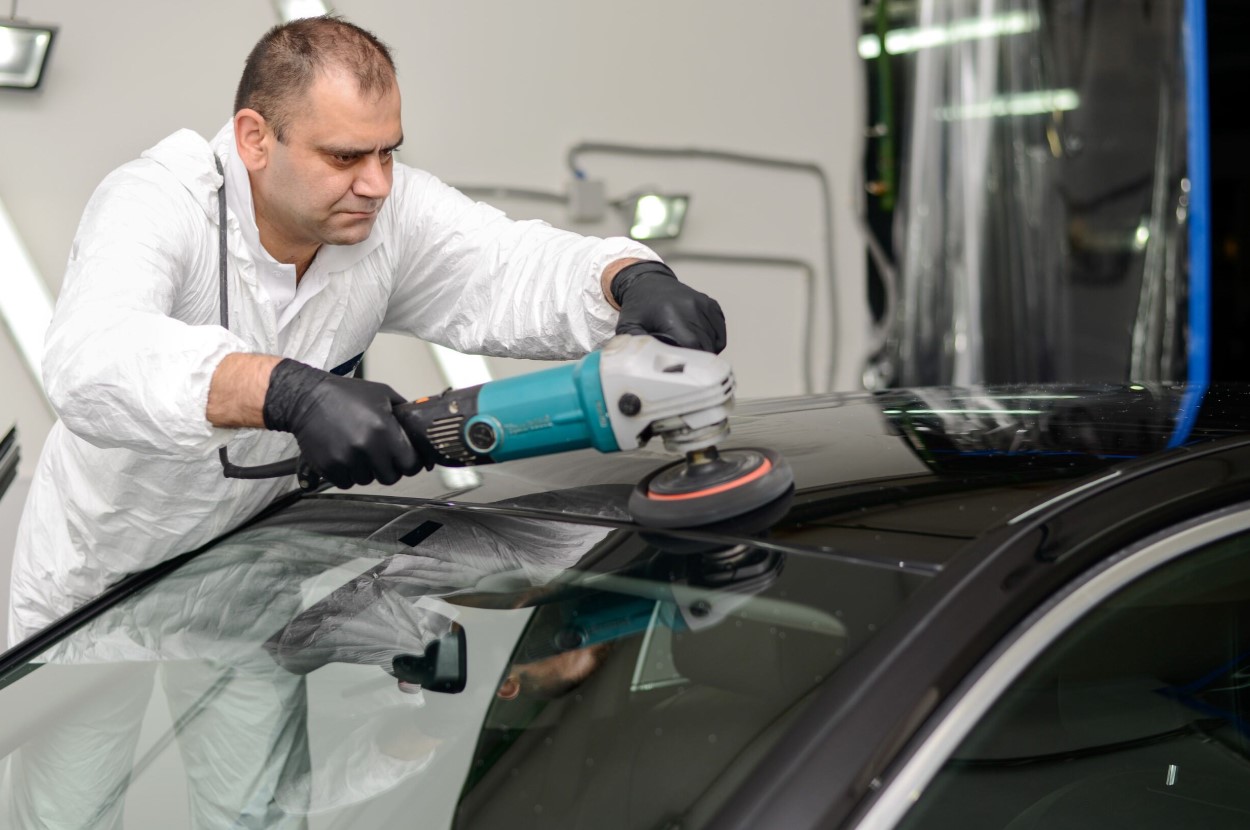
[495, 93]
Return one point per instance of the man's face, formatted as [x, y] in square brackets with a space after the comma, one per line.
[326, 183]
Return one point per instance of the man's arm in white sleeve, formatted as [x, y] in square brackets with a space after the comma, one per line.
[472, 279]
[119, 370]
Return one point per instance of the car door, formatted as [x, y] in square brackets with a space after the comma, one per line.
[1122, 702]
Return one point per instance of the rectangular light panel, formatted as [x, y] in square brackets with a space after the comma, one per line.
[23, 54]
[1006, 106]
[25, 302]
[902, 41]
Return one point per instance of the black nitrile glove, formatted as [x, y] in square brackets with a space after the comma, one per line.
[345, 428]
[654, 302]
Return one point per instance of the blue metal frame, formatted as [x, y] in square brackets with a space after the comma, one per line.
[1194, 46]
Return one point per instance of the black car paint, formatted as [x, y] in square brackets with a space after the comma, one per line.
[830, 763]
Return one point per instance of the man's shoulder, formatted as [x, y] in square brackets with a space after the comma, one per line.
[178, 173]
[155, 194]
[187, 158]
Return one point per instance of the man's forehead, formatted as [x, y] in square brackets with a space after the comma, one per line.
[335, 111]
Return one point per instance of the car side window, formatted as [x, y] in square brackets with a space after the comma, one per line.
[1137, 716]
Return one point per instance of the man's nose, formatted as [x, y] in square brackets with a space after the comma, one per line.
[373, 178]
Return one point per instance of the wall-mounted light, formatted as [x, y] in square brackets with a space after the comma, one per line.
[658, 216]
[289, 10]
[24, 49]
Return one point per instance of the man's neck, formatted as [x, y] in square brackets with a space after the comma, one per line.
[301, 256]
[301, 264]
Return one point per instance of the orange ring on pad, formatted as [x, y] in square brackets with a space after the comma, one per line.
[758, 472]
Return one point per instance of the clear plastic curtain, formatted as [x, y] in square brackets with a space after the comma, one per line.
[1042, 194]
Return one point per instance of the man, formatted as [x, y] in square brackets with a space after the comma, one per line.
[157, 357]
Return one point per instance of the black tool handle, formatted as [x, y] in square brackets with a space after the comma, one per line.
[309, 479]
[442, 419]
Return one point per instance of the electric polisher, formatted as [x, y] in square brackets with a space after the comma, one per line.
[632, 390]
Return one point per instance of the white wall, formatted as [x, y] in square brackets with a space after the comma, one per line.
[494, 93]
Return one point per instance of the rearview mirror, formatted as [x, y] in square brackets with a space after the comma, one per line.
[443, 666]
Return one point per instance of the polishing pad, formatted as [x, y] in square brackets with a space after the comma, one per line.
[728, 484]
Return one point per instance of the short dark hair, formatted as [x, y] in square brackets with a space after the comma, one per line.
[284, 63]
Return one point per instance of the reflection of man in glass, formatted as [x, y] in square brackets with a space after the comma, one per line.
[554, 676]
[239, 707]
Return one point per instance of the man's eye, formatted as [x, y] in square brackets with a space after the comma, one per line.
[344, 159]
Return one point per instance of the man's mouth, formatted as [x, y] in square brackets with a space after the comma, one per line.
[360, 210]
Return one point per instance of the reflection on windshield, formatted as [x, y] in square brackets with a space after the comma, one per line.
[961, 429]
[350, 662]
[231, 636]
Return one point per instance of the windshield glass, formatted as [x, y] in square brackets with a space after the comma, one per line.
[354, 664]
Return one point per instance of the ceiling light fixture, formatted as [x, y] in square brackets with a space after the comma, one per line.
[901, 41]
[289, 10]
[24, 49]
[1043, 102]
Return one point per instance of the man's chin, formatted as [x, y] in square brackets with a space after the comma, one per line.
[352, 234]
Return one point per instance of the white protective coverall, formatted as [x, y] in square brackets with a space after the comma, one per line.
[129, 475]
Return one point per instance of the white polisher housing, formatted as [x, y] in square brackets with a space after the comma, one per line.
[652, 388]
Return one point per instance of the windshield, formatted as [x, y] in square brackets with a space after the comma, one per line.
[357, 664]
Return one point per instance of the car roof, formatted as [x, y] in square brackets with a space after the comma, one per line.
[933, 468]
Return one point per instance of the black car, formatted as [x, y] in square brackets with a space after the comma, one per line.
[1017, 607]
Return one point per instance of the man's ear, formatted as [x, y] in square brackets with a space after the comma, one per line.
[252, 138]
